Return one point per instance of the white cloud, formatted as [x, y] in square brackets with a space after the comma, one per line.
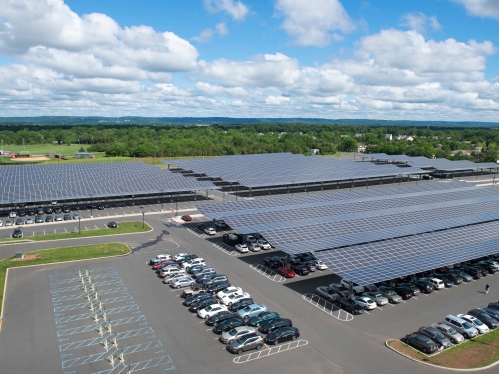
[312, 23]
[277, 100]
[419, 22]
[206, 35]
[235, 8]
[481, 8]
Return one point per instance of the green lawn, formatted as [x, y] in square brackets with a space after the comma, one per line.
[123, 228]
[50, 256]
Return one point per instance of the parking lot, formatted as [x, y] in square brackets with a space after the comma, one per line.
[156, 333]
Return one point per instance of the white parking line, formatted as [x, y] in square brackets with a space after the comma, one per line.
[391, 304]
[415, 298]
[55, 232]
[201, 322]
[208, 330]
[65, 230]
[365, 311]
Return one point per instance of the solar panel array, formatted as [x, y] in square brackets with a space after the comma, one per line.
[36, 183]
[440, 164]
[278, 169]
[389, 259]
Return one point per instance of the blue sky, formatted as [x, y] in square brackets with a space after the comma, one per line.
[424, 59]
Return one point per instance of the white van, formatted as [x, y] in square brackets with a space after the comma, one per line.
[464, 327]
[190, 263]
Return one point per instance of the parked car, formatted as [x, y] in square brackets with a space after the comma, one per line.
[217, 287]
[464, 327]
[201, 226]
[186, 218]
[340, 289]
[265, 245]
[390, 294]
[17, 233]
[38, 219]
[219, 317]
[422, 342]
[282, 334]
[241, 304]
[494, 313]
[486, 318]
[301, 269]
[449, 332]
[9, 223]
[19, 222]
[201, 270]
[327, 293]
[77, 216]
[210, 310]
[180, 256]
[201, 304]
[181, 282]
[356, 288]
[411, 286]
[235, 297]
[319, 265]
[261, 317]
[350, 306]
[269, 326]
[67, 217]
[466, 277]
[194, 298]
[452, 278]
[227, 325]
[438, 284]
[474, 272]
[365, 302]
[250, 239]
[229, 291]
[170, 270]
[49, 219]
[251, 310]
[1, 223]
[112, 225]
[435, 335]
[170, 278]
[493, 305]
[215, 278]
[192, 290]
[210, 231]
[404, 292]
[235, 333]
[377, 297]
[66, 209]
[57, 210]
[286, 272]
[220, 224]
[187, 264]
[242, 248]
[479, 325]
[246, 343]
[272, 262]
[254, 247]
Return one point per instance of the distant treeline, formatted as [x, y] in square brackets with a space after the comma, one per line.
[216, 140]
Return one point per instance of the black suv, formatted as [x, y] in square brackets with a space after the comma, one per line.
[201, 226]
[31, 211]
[22, 212]
[242, 303]
[49, 210]
[192, 299]
[228, 325]
[217, 287]
[301, 269]
[17, 233]
[100, 206]
[66, 209]
[57, 209]
[40, 211]
[474, 272]
[272, 262]
[425, 287]
[203, 303]
[219, 317]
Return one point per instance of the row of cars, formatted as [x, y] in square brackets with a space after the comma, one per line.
[22, 212]
[371, 296]
[289, 266]
[454, 329]
[234, 315]
[40, 219]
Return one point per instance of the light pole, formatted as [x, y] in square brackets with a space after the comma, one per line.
[91, 206]
[143, 213]
[79, 221]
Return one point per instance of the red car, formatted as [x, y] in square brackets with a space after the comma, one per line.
[286, 272]
[157, 265]
[186, 218]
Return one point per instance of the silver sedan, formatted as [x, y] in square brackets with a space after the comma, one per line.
[235, 333]
[377, 297]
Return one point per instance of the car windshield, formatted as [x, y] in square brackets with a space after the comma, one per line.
[439, 335]
[349, 301]
[478, 322]
[379, 296]
[247, 309]
[232, 332]
[208, 308]
[428, 341]
[467, 325]
[390, 292]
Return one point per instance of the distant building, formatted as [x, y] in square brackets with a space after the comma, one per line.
[388, 137]
[358, 135]
[434, 137]
[361, 148]
[344, 136]
[83, 155]
[314, 151]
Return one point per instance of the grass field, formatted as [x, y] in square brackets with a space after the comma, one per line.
[123, 228]
[50, 256]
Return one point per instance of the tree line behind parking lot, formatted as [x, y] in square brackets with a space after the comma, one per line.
[217, 140]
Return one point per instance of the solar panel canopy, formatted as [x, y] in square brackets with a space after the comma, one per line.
[278, 169]
[38, 183]
[340, 227]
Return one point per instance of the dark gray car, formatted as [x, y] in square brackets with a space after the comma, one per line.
[246, 343]
[435, 335]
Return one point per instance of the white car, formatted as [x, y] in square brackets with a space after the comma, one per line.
[211, 310]
[479, 325]
[320, 265]
[254, 247]
[264, 244]
[231, 299]
[243, 248]
[182, 282]
[210, 231]
[180, 256]
[228, 291]
[1, 223]
[190, 263]
[365, 302]
[167, 271]
[29, 221]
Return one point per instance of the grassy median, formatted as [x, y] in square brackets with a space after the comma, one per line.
[123, 228]
[475, 353]
[50, 256]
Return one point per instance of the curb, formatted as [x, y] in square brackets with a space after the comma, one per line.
[86, 237]
[436, 366]
[52, 263]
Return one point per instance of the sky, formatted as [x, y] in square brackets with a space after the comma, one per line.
[383, 59]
